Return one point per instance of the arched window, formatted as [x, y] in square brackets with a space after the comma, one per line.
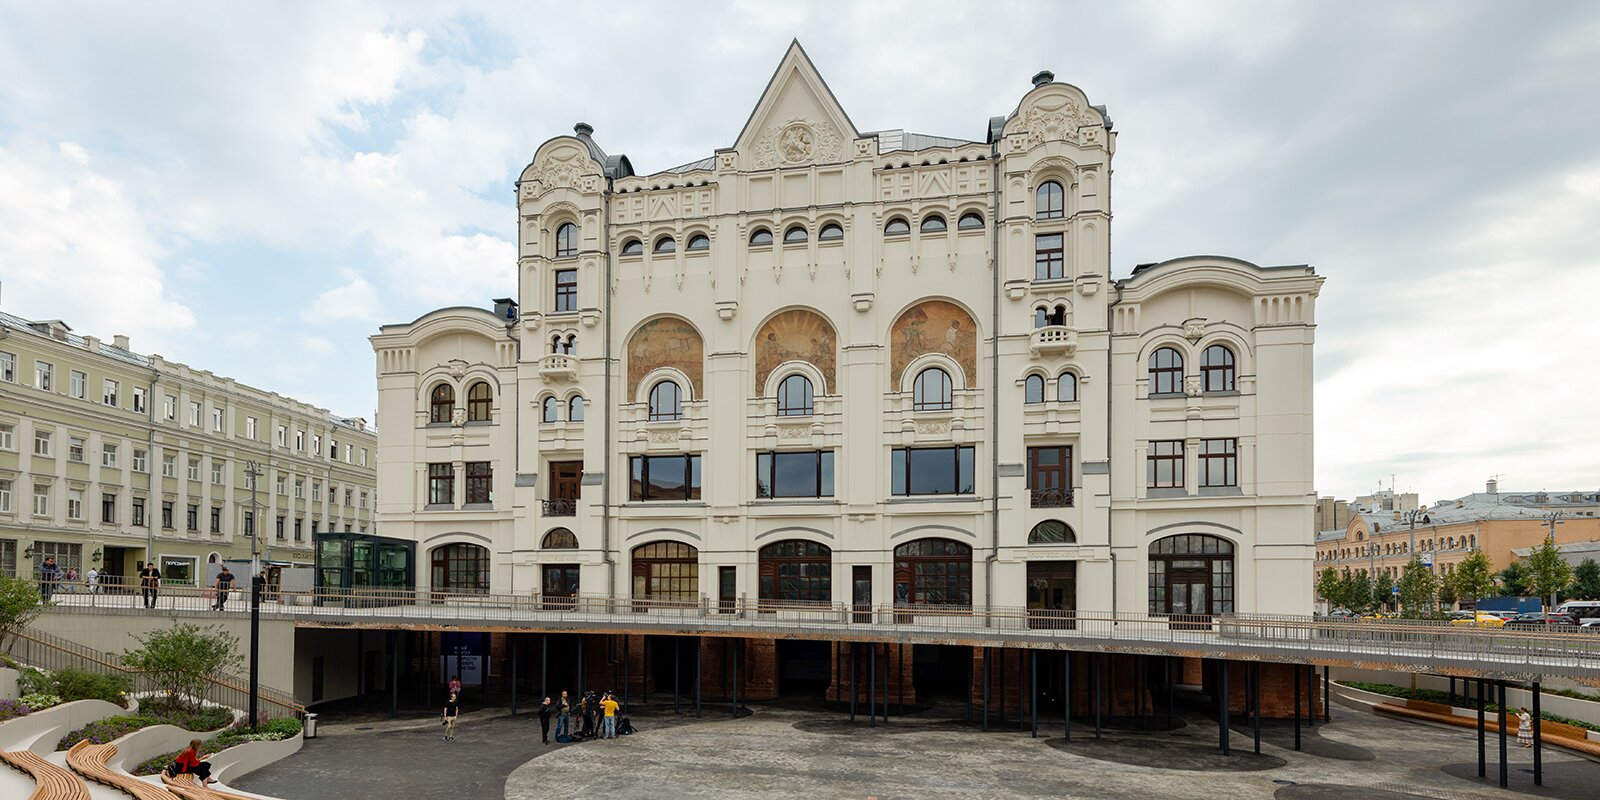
[1041, 317]
[566, 240]
[795, 571]
[1052, 532]
[550, 410]
[971, 220]
[666, 401]
[831, 232]
[668, 571]
[1216, 369]
[1049, 200]
[1033, 389]
[897, 227]
[666, 244]
[761, 237]
[479, 399]
[794, 396]
[575, 409]
[633, 247]
[571, 348]
[933, 223]
[1191, 574]
[1067, 388]
[932, 391]
[699, 241]
[559, 539]
[441, 403]
[462, 568]
[933, 572]
[795, 235]
[1166, 371]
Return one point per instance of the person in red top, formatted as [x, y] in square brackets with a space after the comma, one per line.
[189, 763]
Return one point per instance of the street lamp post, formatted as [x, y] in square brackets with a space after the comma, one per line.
[1551, 520]
[252, 471]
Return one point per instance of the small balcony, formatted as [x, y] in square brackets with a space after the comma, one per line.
[558, 367]
[1053, 340]
[1050, 498]
[567, 507]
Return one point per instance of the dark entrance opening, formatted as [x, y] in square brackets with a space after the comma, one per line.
[940, 671]
[660, 652]
[804, 668]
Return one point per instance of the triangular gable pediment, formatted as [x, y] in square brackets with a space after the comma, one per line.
[797, 121]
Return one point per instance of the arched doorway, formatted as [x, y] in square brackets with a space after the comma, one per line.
[933, 572]
[795, 572]
[1191, 577]
[666, 572]
[462, 568]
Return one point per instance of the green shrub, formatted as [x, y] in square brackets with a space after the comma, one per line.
[274, 730]
[11, 709]
[39, 701]
[35, 681]
[103, 731]
[79, 684]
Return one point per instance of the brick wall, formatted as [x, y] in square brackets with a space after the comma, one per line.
[895, 660]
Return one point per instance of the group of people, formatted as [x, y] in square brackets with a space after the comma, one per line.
[53, 579]
[596, 713]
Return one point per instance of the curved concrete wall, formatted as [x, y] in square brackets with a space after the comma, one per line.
[41, 730]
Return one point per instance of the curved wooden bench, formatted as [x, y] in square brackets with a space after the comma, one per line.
[189, 787]
[53, 782]
[89, 760]
[1491, 725]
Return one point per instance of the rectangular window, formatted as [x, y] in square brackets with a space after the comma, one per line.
[300, 488]
[299, 529]
[216, 520]
[1048, 260]
[1219, 462]
[316, 491]
[216, 471]
[249, 523]
[363, 456]
[108, 392]
[138, 400]
[42, 374]
[300, 441]
[441, 484]
[278, 527]
[5, 496]
[349, 495]
[41, 443]
[216, 420]
[136, 517]
[78, 385]
[1164, 465]
[282, 437]
[932, 470]
[75, 448]
[8, 367]
[141, 460]
[250, 428]
[169, 465]
[108, 508]
[282, 485]
[194, 469]
[664, 478]
[166, 514]
[194, 414]
[347, 452]
[480, 483]
[1049, 477]
[808, 474]
[8, 436]
[192, 517]
[316, 445]
[41, 500]
[108, 456]
[566, 290]
[74, 504]
[363, 499]
[169, 407]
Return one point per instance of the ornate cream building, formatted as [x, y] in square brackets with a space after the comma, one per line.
[826, 364]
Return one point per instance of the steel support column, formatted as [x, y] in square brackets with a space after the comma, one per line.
[699, 647]
[1255, 701]
[1327, 701]
[544, 665]
[511, 641]
[1483, 766]
[1166, 677]
[1066, 693]
[1296, 669]
[1034, 676]
[855, 654]
[1504, 777]
[677, 665]
[1094, 662]
[394, 674]
[627, 653]
[1538, 741]
[872, 686]
[1222, 706]
[737, 646]
[986, 654]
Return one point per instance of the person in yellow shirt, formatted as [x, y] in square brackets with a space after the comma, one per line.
[610, 705]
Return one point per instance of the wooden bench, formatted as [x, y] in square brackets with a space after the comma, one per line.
[89, 760]
[190, 788]
[53, 782]
[1551, 733]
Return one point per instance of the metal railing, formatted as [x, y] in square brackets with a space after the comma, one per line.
[1270, 636]
[1049, 498]
[37, 648]
[560, 507]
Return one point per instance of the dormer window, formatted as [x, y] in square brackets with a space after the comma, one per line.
[633, 247]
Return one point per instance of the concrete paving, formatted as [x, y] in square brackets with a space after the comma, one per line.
[797, 751]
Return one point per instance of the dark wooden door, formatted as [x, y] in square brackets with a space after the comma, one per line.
[727, 588]
[861, 592]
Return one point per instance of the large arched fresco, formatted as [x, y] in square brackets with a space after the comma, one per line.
[796, 335]
[666, 342]
[934, 326]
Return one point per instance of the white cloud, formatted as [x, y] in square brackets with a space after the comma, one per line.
[356, 300]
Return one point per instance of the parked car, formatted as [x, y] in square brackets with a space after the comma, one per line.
[1480, 619]
[1540, 620]
[1581, 609]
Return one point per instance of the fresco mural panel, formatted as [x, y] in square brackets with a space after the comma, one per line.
[934, 326]
[797, 335]
[666, 342]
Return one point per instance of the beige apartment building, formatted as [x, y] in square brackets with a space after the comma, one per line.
[110, 458]
[829, 365]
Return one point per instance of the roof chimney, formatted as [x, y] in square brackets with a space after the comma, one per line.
[119, 341]
[1492, 487]
[1043, 77]
[583, 129]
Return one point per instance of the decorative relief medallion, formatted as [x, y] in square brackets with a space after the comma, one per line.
[936, 428]
[794, 432]
[796, 142]
[663, 437]
[555, 172]
[1194, 329]
[1055, 118]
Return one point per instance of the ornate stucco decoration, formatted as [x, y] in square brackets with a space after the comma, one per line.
[1055, 118]
[795, 142]
[1192, 387]
[458, 417]
[556, 172]
[1194, 328]
[458, 369]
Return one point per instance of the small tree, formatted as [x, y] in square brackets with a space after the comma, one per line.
[1358, 592]
[1513, 580]
[1585, 581]
[1330, 587]
[1448, 591]
[1473, 577]
[1382, 590]
[179, 659]
[1418, 588]
[1548, 573]
[19, 604]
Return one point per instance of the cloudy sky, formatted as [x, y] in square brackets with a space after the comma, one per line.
[254, 188]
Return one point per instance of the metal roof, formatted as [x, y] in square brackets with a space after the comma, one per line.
[707, 163]
[111, 351]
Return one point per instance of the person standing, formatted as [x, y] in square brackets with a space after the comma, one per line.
[455, 685]
[49, 573]
[223, 585]
[563, 716]
[452, 712]
[545, 710]
[610, 705]
[1524, 728]
[72, 580]
[189, 763]
[91, 579]
[150, 583]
